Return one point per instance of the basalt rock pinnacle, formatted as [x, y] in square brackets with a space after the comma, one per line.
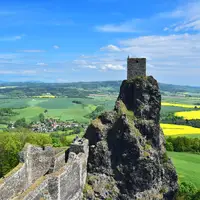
[127, 156]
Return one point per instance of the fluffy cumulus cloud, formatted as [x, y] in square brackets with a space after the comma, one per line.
[177, 51]
[100, 64]
[110, 48]
[174, 55]
[112, 67]
[83, 64]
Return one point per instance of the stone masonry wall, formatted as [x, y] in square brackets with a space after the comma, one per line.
[65, 184]
[35, 162]
[38, 162]
[136, 67]
[58, 161]
[43, 175]
[13, 184]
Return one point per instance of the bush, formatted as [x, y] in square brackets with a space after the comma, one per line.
[196, 196]
[183, 144]
[41, 117]
[169, 146]
[187, 191]
[11, 143]
[20, 123]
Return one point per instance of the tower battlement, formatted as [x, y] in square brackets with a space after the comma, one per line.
[136, 67]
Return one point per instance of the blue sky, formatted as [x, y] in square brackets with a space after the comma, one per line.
[89, 40]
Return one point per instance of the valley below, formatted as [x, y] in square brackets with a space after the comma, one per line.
[66, 113]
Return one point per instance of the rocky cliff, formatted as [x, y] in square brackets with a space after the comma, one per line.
[127, 155]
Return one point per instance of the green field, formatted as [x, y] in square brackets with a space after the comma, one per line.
[14, 103]
[179, 99]
[29, 113]
[59, 108]
[167, 109]
[187, 166]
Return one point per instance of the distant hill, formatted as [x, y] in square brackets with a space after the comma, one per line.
[79, 89]
[178, 88]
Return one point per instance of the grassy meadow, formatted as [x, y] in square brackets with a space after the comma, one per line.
[187, 166]
[59, 108]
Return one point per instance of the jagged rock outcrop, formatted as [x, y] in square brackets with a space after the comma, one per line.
[127, 156]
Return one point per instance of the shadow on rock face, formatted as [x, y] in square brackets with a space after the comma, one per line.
[127, 157]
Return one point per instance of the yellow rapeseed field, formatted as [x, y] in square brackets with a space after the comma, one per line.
[189, 114]
[179, 105]
[173, 129]
[45, 96]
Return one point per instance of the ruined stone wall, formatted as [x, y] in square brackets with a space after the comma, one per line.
[65, 184]
[136, 67]
[44, 175]
[16, 181]
[38, 161]
[35, 162]
[58, 161]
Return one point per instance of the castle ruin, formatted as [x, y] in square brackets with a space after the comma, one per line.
[136, 67]
[49, 173]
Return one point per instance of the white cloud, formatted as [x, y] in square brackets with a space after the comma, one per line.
[90, 66]
[88, 56]
[187, 15]
[80, 62]
[188, 25]
[7, 72]
[84, 64]
[181, 45]
[112, 67]
[172, 53]
[183, 18]
[12, 38]
[110, 48]
[8, 56]
[32, 51]
[42, 64]
[56, 47]
[28, 72]
[166, 55]
[124, 27]
[17, 72]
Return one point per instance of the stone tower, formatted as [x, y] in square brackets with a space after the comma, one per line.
[136, 67]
